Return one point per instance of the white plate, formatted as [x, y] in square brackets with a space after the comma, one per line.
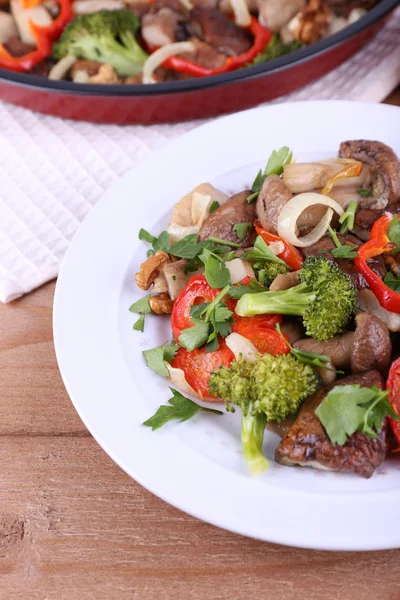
[197, 466]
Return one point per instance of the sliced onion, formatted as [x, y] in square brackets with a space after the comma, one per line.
[178, 379]
[239, 269]
[61, 68]
[241, 12]
[277, 247]
[159, 56]
[200, 208]
[187, 4]
[241, 346]
[291, 211]
[351, 170]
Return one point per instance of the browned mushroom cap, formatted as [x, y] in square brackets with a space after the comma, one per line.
[272, 198]
[384, 167]
[285, 281]
[220, 223]
[339, 348]
[372, 347]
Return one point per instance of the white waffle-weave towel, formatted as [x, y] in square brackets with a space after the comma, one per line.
[52, 172]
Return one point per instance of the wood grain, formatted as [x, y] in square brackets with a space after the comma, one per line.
[71, 520]
[73, 526]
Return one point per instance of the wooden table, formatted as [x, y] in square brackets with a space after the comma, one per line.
[73, 526]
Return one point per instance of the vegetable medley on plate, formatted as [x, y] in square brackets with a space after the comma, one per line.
[285, 304]
[150, 41]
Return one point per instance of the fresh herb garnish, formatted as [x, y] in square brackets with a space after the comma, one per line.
[394, 233]
[241, 229]
[214, 206]
[156, 358]
[141, 307]
[261, 252]
[180, 408]
[276, 162]
[345, 251]
[323, 251]
[365, 193]
[274, 49]
[216, 273]
[209, 319]
[146, 236]
[342, 250]
[196, 336]
[308, 358]
[347, 218]
[240, 289]
[223, 242]
[392, 281]
[350, 408]
[187, 247]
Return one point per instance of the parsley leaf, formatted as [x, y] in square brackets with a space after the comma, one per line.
[216, 273]
[142, 306]
[155, 358]
[394, 233]
[187, 247]
[214, 206]
[348, 217]
[350, 408]
[365, 193]
[261, 252]
[342, 251]
[241, 229]
[274, 49]
[274, 166]
[392, 281]
[139, 324]
[345, 251]
[240, 289]
[146, 236]
[180, 408]
[196, 336]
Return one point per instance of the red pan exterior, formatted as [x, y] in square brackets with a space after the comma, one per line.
[173, 106]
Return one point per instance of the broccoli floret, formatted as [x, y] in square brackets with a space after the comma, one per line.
[269, 272]
[266, 389]
[325, 299]
[106, 37]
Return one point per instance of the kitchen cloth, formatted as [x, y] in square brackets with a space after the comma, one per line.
[52, 172]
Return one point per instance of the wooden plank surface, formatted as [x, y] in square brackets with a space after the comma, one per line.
[73, 526]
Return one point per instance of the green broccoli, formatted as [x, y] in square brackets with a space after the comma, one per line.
[269, 271]
[267, 389]
[106, 37]
[325, 299]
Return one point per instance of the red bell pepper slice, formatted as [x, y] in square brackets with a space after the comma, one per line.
[378, 243]
[262, 37]
[44, 37]
[198, 364]
[290, 255]
[393, 384]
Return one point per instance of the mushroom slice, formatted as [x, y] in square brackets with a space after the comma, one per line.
[372, 347]
[189, 214]
[175, 277]
[384, 167]
[272, 198]
[339, 348]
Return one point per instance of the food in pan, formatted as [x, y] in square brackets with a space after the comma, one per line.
[143, 41]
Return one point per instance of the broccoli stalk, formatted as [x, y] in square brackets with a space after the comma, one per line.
[325, 299]
[106, 37]
[253, 428]
[267, 389]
